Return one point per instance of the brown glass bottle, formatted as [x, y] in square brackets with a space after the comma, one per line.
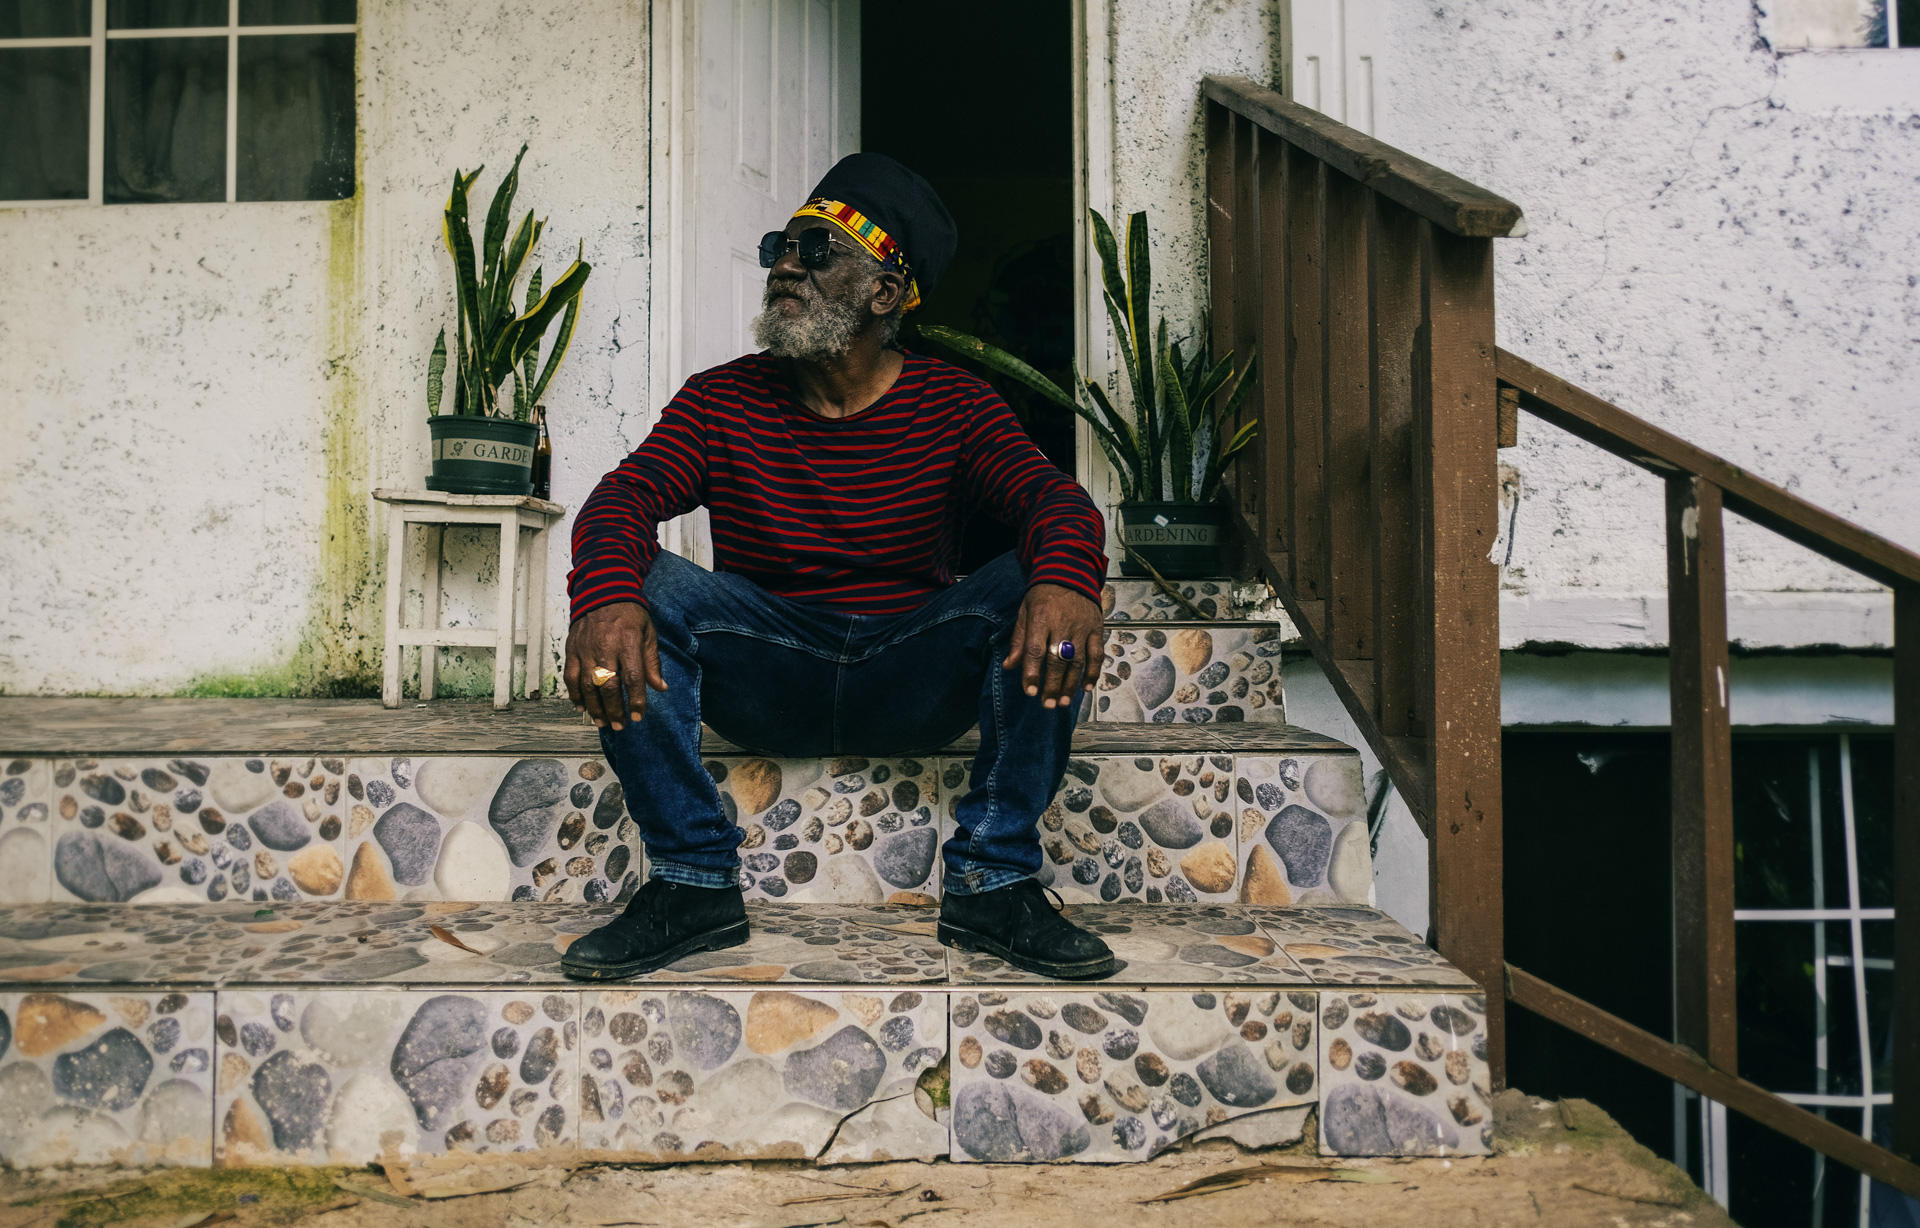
[542, 457]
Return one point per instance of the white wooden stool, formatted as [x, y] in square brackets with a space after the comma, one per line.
[436, 510]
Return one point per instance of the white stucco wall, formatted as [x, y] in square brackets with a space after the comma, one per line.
[201, 398]
[1722, 255]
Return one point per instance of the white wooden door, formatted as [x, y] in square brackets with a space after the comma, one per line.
[1333, 57]
[768, 99]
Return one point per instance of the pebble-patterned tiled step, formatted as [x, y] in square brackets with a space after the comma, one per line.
[108, 1076]
[280, 830]
[335, 1031]
[1110, 1075]
[1192, 674]
[1127, 600]
[1200, 819]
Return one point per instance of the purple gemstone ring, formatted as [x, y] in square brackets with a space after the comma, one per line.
[1064, 650]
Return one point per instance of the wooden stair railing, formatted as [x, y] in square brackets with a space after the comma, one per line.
[1364, 279]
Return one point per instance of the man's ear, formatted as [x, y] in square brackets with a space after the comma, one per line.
[889, 289]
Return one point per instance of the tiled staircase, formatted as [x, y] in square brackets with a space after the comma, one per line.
[301, 933]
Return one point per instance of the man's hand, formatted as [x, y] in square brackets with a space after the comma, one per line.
[620, 638]
[1052, 615]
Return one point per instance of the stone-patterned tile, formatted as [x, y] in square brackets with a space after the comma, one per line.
[25, 802]
[1405, 1074]
[101, 1078]
[845, 830]
[715, 1076]
[1135, 827]
[201, 829]
[1112, 1076]
[387, 942]
[1356, 946]
[861, 944]
[487, 828]
[1126, 600]
[1158, 944]
[460, 943]
[169, 944]
[344, 1076]
[1191, 674]
[1303, 830]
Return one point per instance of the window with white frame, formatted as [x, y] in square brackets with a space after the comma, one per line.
[1805, 25]
[121, 102]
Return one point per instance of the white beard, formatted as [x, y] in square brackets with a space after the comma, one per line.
[824, 330]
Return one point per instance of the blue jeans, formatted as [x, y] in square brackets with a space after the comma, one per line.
[800, 681]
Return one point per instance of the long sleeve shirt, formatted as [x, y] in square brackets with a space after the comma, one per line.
[863, 513]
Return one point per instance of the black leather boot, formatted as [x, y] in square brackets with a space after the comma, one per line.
[663, 922]
[1020, 925]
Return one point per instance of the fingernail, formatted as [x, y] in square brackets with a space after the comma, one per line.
[1033, 690]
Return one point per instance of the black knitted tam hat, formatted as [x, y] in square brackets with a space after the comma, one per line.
[892, 212]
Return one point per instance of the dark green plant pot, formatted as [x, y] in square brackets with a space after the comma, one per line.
[1183, 541]
[476, 455]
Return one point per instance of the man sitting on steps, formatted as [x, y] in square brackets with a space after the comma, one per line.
[838, 472]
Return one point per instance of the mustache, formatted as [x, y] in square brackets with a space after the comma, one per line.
[790, 287]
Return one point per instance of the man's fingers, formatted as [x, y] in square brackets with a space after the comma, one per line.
[633, 673]
[571, 674]
[607, 695]
[1034, 671]
[1096, 658]
[655, 679]
[1017, 643]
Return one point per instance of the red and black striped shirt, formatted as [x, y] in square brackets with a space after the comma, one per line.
[862, 513]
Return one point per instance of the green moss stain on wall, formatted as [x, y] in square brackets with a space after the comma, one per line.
[346, 644]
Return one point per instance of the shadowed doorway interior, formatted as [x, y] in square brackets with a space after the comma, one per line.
[979, 99]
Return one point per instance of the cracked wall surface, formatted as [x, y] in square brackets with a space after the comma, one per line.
[1699, 252]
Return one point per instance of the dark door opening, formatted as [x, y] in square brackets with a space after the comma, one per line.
[979, 99]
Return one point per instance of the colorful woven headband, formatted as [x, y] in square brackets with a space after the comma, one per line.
[876, 241]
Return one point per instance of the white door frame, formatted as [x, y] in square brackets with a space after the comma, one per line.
[670, 86]
[1093, 145]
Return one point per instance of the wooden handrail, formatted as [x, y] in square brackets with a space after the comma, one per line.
[1440, 196]
[1689, 1068]
[1579, 412]
[1364, 279]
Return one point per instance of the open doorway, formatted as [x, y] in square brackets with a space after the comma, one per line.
[979, 100]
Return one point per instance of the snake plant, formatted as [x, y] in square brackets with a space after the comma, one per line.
[492, 340]
[1171, 447]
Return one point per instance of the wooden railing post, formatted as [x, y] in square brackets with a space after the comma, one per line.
[1463, 584]
[1906, 870]
[1305, 198]
[1702, 773]
[1393, 302]
[1347, 429]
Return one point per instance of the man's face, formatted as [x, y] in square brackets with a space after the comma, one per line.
[816, 314]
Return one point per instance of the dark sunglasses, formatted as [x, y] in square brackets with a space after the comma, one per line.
[815, 244]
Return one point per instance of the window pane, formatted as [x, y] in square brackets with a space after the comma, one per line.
[46, 19]
[297, 12]
[166, 120]
[1873, 817]
[1772, 822]
[1779, 1005]
[1909, 23]
[43, 145]
[165, 14]
[296, 117]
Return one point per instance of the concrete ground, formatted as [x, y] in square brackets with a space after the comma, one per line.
[1544, 1172]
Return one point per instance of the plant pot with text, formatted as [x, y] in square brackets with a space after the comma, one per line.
[475, 455]
[486, 444]
[1181, 541]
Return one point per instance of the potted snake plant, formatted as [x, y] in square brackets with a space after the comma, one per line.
[485, 444]
[1172, 451]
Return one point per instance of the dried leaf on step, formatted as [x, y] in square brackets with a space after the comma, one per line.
[447, 936]
[338, 1204]
[197, 1218]
[1649, 1198]
[1235, 1178]
[396, 1170]
[882, 1192]
[1365, 1176]
[364, 1191]
[462, 1189]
